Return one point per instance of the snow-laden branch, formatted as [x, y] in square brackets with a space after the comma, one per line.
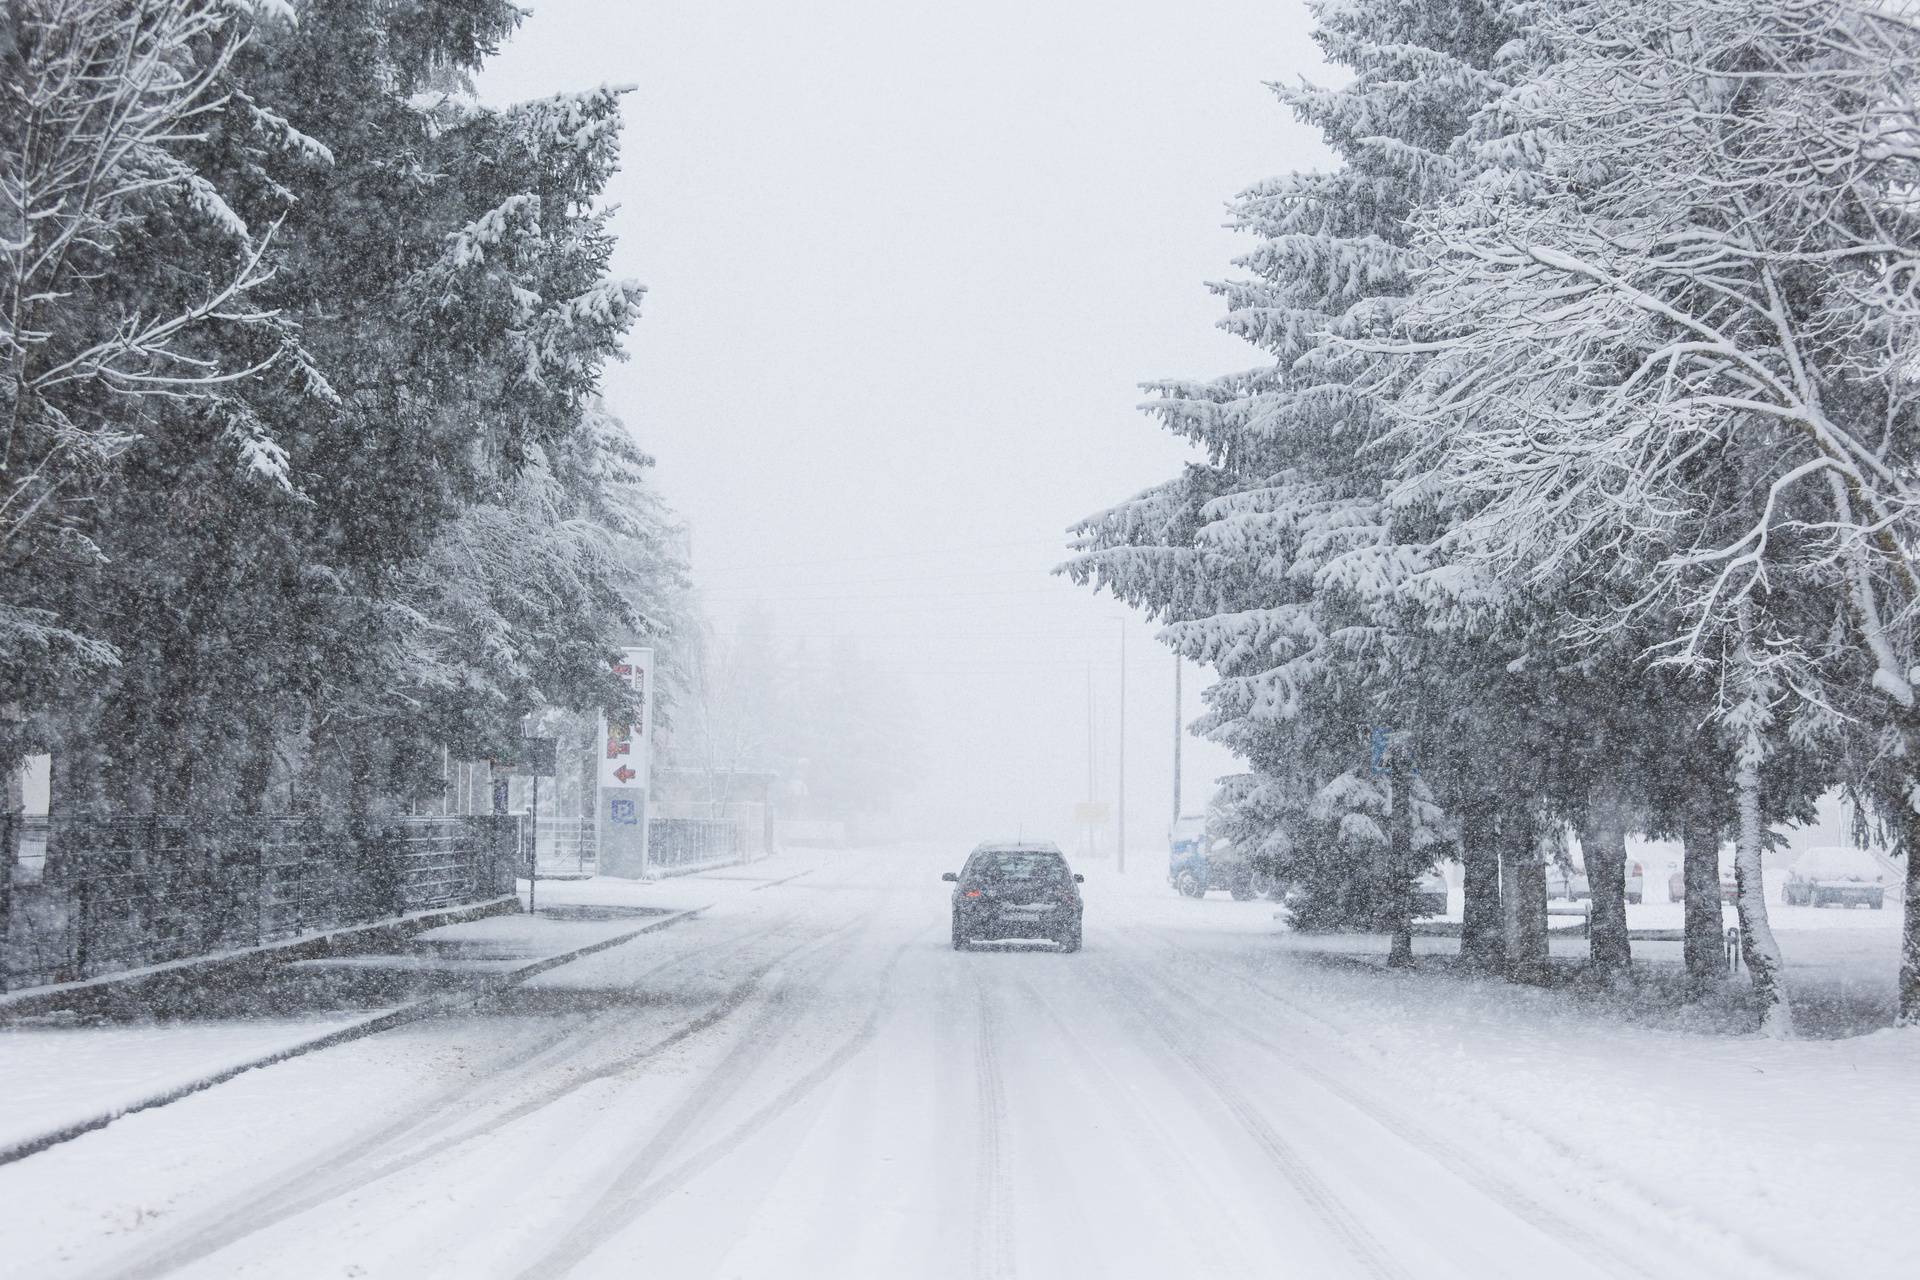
[99, 100]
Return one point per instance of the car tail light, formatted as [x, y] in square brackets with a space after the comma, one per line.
[1633, 869]
[973, 893]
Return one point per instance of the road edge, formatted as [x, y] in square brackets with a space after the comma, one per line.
[106, 987]
[415, 1011]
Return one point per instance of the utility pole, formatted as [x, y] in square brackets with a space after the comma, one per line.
[533, 843]
[1176, 737]
[1120, 809]
[1089, 758]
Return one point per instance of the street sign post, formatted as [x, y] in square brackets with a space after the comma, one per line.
[1378, 744]
[620, 816]
[534, 758]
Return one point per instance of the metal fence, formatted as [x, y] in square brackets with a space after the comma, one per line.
[566, 847]
[690, 842]
[29, 843]
[109, 894]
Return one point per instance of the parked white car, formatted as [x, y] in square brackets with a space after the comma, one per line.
[1677, 886]
[1574, 887]
[1835, 875]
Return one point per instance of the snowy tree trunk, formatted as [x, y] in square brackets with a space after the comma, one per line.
[1482, 945]
[1749, 718]
[1528, 963]
[1603, 843]
[1704, 946]
[1909, 1015]
[9, 856]
[256, 775]
[1523, 899]
[15, 802]
[1756, 934]
[1400, 859]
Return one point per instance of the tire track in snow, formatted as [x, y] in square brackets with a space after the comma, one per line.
[1167, 1147]
[1600, 1250]
[296, 1193]
[1360, 1243]
[617, 1210]
[992, 1205]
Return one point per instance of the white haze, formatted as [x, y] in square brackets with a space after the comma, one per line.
[907, 264]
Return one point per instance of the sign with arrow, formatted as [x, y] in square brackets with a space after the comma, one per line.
[623, 746]
[624, 771]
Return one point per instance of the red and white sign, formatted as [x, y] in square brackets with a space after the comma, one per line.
[623, 747]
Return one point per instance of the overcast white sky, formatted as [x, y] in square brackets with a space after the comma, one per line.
[907, 265]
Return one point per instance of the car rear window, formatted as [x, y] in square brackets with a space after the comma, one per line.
[1022, 864]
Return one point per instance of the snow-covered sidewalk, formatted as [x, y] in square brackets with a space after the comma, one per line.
[61, 1074]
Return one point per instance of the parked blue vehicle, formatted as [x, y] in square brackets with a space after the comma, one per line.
[1196, 862]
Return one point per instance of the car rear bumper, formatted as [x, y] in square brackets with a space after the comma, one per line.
[1035, 921]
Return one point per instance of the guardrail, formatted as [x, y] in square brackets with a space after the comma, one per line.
[123, 892]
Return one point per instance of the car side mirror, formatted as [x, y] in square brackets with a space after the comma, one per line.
[1078, 878]
[952, 875]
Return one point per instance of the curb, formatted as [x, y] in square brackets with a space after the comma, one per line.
[107, 986]
[782, 880]
[418, 1010]
[656, 874]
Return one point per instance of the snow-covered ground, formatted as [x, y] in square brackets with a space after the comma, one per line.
[58, 1071]
[55, 1072]
[807, 1081]
[1842, 962]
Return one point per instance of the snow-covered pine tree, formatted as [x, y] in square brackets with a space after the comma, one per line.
[129, 294]
[1279, 563]
[454, 529]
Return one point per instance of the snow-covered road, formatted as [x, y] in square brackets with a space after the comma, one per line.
[809, 1082]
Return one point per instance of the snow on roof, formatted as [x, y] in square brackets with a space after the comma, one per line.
[1009, 846]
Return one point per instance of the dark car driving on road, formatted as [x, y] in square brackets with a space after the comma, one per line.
[1022, 889]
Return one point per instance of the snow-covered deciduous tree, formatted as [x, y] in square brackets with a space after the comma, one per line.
[1671, 347]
